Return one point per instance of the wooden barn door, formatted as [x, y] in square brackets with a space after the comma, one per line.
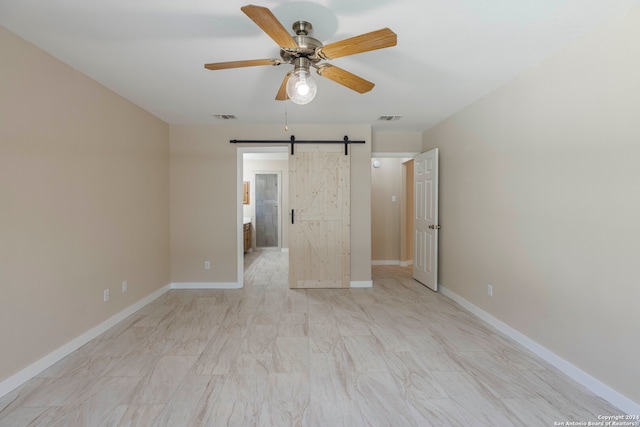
[319, 247]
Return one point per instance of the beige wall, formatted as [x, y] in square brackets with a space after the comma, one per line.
[204, 196]
[539, 197]
[397, 142]
[250, 167]
[84, 190]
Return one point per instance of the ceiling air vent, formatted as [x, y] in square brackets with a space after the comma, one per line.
[225, 116]
[389, 118]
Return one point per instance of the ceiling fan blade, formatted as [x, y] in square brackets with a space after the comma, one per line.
[270, 25]
[282, 92]
[358, 44]
[345, 78]
[240, 64]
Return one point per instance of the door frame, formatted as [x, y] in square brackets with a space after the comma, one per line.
[239, 212]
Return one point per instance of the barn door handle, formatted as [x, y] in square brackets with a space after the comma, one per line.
[292, 216]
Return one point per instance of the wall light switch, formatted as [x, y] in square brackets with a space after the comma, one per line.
[207, 265]
[393, 198]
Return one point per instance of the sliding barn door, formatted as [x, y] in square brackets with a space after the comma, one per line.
[319, 247]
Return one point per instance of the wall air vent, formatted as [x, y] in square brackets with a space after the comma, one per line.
[225, 116]
[389, 118]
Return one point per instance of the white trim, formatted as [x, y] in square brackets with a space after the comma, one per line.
[406, 263]
[362, 284]
[284, 250]
[60, 353]
[599, 388]
[206, 285]
[393, 155]
[386, 262]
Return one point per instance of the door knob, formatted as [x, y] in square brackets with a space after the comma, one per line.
[434, 227]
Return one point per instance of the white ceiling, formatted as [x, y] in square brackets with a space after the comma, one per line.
[449, 53]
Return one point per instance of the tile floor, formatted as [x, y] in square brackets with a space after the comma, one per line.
[396, 354]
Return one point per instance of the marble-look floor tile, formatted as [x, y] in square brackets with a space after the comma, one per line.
[282, 413]
[246, 388]
[352, 323]
[134, 416]
[390, 337]
[219, 355]
[22, 416]
[288, 387]
[494, 374]
[181, 407]
[330, 413]
[486, 412]
[365, 353]
[293, 325]
[396, 354]
[331, 378]
[462, 384]
[379, 401]
[534, 412]
[412, 377]
[232, 414]
[436, 413]
[323, 337]
[161, 382]
[291, 355]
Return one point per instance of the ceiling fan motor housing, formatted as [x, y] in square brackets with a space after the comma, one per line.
[307, 46]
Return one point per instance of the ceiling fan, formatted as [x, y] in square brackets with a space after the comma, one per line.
[305, 52]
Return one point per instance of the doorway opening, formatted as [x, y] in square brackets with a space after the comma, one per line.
[263, 214]
[392, 208]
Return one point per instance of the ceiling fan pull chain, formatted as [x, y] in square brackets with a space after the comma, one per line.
[286, 126]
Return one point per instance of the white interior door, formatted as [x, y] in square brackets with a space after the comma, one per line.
[319, 240]
[425, 220]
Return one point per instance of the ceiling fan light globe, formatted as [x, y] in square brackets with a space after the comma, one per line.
[301, 87]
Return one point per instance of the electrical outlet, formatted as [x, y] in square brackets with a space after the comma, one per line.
[490, 290]
[207, 265]
[106, 295]
[124, 286]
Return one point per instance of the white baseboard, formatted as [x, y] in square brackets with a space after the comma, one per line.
[599, 388]
[362, 284]
[50, 359]
[392, 262]
[386, 262]
[206, 285]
